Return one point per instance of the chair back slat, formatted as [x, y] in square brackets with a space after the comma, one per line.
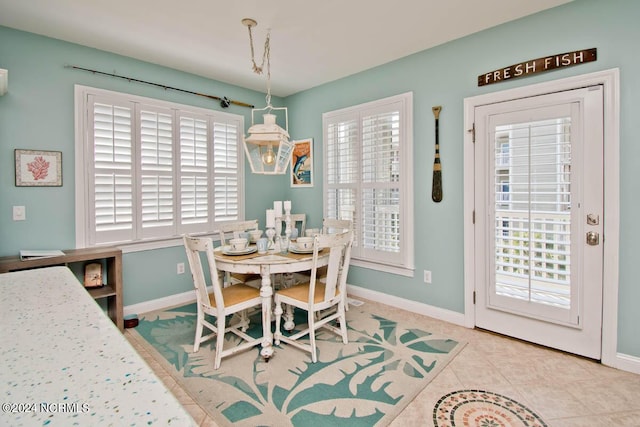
[295, 219]
[336, 226]
[235, 228]
[339, 246]
[194, 247]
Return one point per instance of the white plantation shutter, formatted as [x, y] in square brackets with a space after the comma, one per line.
[112, 180]
[341, 165]
[154, 170]
[368, 170]
[381, 186]
[194, 171]
[225, 166]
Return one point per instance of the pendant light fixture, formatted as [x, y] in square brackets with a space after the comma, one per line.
[267, 147]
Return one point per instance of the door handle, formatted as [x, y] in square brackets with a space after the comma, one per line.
[593, 238]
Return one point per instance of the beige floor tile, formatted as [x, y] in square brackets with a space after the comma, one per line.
[208, 422]
[196, 412]
[605, 396]
[622, 419]
[552, 401]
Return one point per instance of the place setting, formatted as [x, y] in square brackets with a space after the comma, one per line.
[302, 245]
[239, 246]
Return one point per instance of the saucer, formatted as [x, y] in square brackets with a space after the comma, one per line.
[296, 250]
[245, 251]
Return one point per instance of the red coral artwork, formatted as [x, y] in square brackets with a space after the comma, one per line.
[39, 168]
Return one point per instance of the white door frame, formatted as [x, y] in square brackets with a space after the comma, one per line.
[610, 80]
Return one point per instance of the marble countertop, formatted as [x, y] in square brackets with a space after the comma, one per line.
[63, 361]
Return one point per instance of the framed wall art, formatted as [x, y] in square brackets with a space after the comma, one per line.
[302, 163]
[36, 168]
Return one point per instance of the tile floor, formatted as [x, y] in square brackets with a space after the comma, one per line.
[566, 391]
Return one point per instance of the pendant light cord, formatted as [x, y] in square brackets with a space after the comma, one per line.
[266, 56]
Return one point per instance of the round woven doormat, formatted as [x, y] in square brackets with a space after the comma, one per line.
[479, 408]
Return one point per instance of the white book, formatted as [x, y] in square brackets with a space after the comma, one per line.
[35, 254]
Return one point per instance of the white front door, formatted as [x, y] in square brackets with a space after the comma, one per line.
[539, 219]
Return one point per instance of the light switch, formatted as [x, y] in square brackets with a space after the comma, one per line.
[19, 213]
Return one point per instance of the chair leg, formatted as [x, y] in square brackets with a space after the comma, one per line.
[219, 340]
[199, 329]
[278, 312]
[342, 318]
[244, 321]
[312, 335]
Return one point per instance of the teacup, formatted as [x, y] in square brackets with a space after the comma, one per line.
[305, 243]
[254, 235]
[263, 245]
[238, 244]
[311, 232]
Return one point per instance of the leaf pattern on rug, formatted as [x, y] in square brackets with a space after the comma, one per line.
[383, 364]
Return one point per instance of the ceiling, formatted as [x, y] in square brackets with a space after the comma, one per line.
[311, 42]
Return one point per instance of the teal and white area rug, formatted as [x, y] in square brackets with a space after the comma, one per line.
[366, 382]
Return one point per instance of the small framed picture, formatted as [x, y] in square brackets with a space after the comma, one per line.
[93, 275]
[35, 168]
[302, 163]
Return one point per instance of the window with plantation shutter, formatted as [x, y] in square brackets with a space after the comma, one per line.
[368, 179]
[149, 170]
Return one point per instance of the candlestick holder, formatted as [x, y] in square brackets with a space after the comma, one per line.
[270, 234]
[278, 227]
[287, 223]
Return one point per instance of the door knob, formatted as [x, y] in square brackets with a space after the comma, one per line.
[593, 238]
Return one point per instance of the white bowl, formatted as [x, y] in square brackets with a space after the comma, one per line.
[254, 235]
[238, 244]
[305, 243]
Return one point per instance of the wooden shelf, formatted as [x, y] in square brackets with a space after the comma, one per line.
[112, 291]
[102, 292]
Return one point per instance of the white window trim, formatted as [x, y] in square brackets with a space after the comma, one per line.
[407, 268]
[81, 128]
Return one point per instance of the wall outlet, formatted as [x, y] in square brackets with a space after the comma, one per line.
[19, 213]
[180, 268]
[427, 276]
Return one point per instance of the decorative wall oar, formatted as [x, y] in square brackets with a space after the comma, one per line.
[436, 190]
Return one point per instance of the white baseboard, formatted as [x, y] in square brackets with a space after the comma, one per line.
[627, 363]
[405, 304]
[160, 303]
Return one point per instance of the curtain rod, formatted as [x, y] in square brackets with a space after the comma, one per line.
[224, 101]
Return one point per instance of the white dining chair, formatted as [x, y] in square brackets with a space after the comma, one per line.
[299, 219]
[232, 230]
[331, 225]
[318, 297]
[222, 302]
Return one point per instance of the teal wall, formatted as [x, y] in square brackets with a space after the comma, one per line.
[38, 113]
[41, 89]
[447, 74]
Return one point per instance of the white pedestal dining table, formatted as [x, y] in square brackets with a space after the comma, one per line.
[267, 265]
